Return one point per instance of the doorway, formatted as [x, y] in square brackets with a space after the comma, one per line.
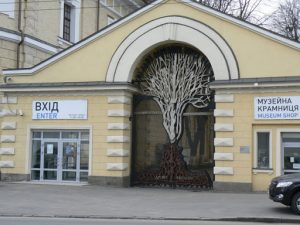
[150, 138]
[290, 153]
[60, 156]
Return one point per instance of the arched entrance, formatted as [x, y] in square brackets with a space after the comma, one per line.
[172, 30]
[191, 163]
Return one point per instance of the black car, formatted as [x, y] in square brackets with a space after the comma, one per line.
[286, 190]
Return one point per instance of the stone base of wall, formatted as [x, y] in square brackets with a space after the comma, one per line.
[110, 181]
[232, 186]
[12, 177]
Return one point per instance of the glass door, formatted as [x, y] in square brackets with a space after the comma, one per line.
[70, 160]
[291, 158]
[60, 156]
[50, 160]
[60, 161]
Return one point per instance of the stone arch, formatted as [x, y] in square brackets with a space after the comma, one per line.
[167, 30]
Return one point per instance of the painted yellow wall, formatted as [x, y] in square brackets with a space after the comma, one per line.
[97, 119]
[243, 135]
[257, 55]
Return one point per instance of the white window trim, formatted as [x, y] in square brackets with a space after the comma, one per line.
[267, 171]
[8, 8]
[76, 23]
[279, 147]
[256, 149]
[62, 41]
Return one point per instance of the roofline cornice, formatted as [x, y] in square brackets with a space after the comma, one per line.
[257, 83]
[67, 87]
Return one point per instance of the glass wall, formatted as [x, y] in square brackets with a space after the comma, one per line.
[60, 155]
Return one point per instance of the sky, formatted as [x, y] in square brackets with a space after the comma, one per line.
[268, 6]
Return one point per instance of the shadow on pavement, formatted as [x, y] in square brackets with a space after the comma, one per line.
[285, 210]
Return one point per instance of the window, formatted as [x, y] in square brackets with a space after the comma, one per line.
[8, 7]
[67, 23]
[263, 150]
[70, 20]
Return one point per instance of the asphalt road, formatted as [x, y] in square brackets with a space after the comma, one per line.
[63, 221]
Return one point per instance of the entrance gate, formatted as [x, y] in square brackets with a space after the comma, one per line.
[150, 148]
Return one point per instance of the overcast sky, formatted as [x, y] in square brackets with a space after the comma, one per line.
[268, 6]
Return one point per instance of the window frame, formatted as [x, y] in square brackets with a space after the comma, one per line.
[255, 158]
[75, 14]
[7, 7]
[67, 18]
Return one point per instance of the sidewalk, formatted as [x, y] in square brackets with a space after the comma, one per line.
[23, 199]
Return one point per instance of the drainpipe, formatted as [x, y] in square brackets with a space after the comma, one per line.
[98, 15]
[21, 32]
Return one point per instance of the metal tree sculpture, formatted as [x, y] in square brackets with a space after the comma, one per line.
[176, 78]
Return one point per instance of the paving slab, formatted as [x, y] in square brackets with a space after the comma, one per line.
[87, 201]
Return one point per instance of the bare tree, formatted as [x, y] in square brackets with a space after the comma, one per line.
[246, 8]
[221, 5]
[286, 19]
[175, 79]
[242, 9]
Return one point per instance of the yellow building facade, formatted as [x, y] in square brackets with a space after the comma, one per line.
[82, 98]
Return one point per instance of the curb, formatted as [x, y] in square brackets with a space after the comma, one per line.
[229, 219]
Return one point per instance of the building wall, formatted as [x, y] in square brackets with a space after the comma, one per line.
[43, 21]
[276, 60]
[8, 54]
[28, 55]
[257, 56]
[89, 13]
[235, 127]
[107, 139]
[237, 166]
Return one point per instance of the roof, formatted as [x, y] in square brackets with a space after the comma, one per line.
[246, 25]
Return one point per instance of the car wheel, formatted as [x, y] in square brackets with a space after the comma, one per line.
[296, 203]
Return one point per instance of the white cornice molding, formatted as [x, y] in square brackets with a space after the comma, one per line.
[68, 89]
[255, 85]
[4, 35]
[8, 36]
[40, 45]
